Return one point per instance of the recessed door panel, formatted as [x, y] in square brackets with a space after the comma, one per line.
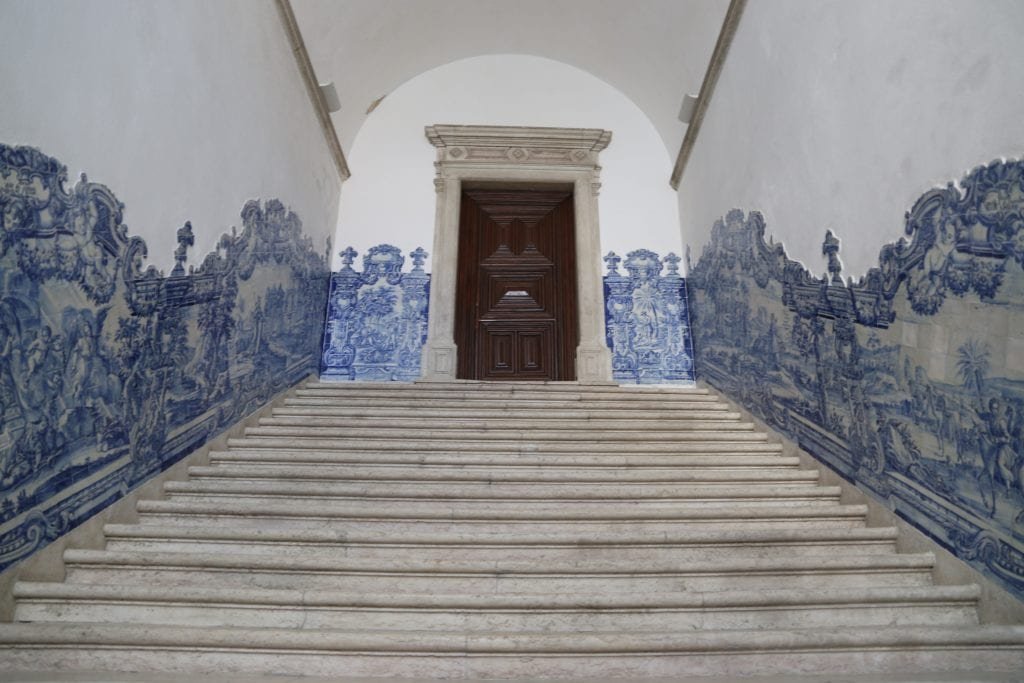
[523, 350]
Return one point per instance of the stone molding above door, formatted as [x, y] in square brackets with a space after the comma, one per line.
[514, 155]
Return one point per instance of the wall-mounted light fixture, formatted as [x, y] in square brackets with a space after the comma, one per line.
[688, 107]
[330, 94]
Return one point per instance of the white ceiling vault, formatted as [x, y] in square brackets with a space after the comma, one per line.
[653, 51]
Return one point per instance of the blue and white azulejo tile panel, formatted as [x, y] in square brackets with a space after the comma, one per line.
[376, 319]
[111, 372]
[647, 319]
[910, 381]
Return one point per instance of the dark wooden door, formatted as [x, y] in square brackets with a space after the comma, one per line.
[516, 302]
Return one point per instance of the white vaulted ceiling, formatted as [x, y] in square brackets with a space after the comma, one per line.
[653, 51]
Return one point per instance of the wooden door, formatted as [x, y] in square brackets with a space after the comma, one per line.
[515, 315]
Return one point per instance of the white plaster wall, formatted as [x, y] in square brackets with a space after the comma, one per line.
[838, 114]
[390, 196]
[185, 109]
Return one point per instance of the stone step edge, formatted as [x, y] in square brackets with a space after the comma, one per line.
[456, 394]
[483, 492]
[128, 559]
[545, 412]
[318, 511]
[598, 406]
[409, 458]
[511, 424]
[572, 394]
[580, 541]
[504, 387]
[459, 475]
[470, 420]
[934, 595]
[414, 435]
[574, 400]
[501, 447]
[390, 643]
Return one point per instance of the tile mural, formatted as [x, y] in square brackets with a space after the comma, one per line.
[910, 381]
[646, 319]
[377, 319]
[109, 372]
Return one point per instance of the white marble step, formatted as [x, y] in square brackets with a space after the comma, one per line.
[518, 491]
[547, 402]
[494, 475]
[240, 457]
[518, 389]
[681, 545]
[512, 409]
[888, 650]
[371, 519]
[600, 405]
[409, 574]
[454, 432]
[512, 423]
[531, 447]
[325, 609]
[511, 509]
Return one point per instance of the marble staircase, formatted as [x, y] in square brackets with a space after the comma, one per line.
[518, 531]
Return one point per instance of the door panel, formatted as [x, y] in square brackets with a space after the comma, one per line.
[516, 304]
[517, 350]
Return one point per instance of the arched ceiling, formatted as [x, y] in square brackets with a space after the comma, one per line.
[654, 51]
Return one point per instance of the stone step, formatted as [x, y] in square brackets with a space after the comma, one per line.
[517, 491]
[719, 412]
[518, 389]
[240, 457]
[326, 609]
[409, 574]
[597, 407]
[681, 545]
[743, 433]
[370, 473]
[512, 423]
[513, 508]
[455, 519]
[480, 655]
[597, 404]
[617, 449]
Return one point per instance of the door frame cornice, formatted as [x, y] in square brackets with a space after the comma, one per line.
[517, 155]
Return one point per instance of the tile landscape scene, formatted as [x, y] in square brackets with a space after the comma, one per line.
[111, 372]
[910, 381]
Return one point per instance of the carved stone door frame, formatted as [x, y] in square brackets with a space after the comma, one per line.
[517, 155]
